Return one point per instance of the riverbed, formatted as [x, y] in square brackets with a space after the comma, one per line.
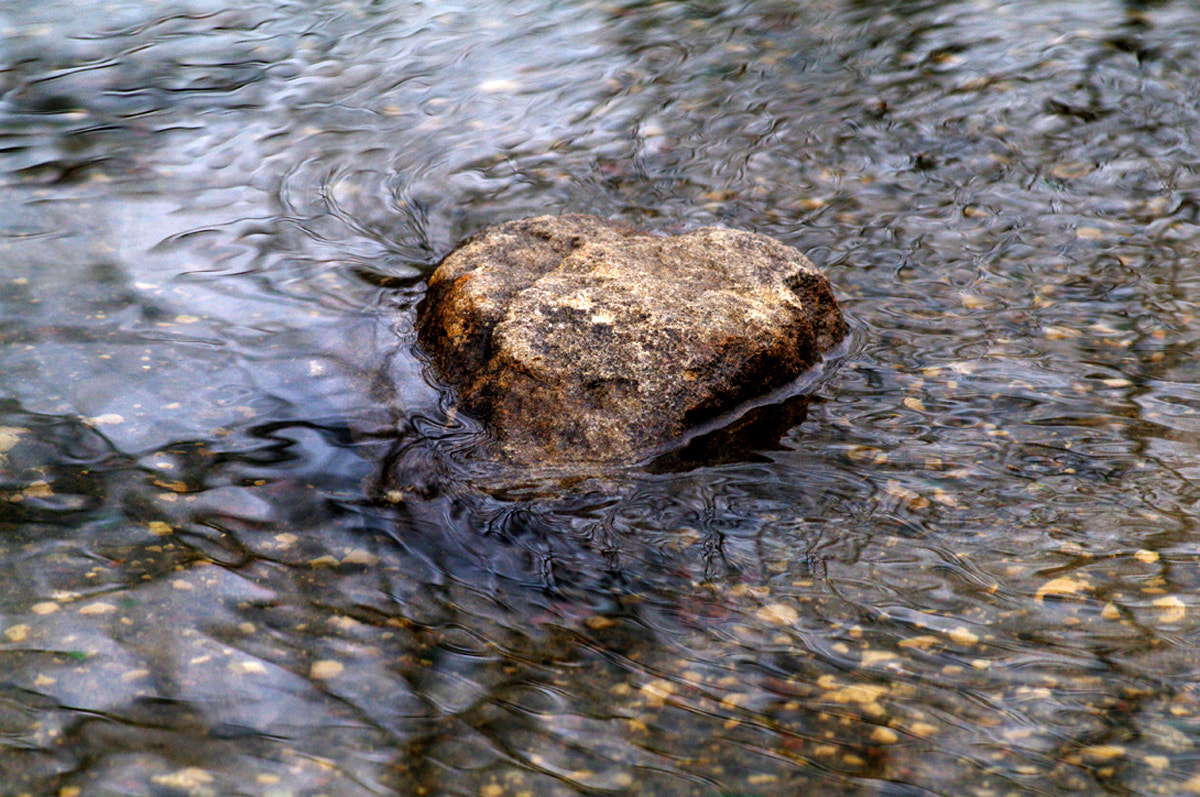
[247, 546]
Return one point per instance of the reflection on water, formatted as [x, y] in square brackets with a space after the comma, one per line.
[245, 548]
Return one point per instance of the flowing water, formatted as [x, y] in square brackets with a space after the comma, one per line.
[245, 548]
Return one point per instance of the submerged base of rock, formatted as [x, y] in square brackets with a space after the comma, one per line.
[576, 340]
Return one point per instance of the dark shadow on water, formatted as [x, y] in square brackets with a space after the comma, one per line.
[760, 430]
[579, 538]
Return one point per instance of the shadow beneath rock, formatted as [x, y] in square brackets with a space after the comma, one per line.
[744, 440]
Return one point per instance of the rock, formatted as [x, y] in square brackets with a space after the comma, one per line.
[576, 340]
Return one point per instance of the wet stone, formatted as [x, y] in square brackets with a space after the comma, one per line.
[576, 339]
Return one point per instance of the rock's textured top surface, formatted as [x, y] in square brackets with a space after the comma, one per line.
[580, 340]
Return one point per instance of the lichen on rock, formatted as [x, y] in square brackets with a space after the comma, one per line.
[575, 339]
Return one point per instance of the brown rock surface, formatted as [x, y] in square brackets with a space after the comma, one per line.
[575, 339]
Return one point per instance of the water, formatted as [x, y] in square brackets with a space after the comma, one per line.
[245, 549]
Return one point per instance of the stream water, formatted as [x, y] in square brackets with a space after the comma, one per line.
[244, 549]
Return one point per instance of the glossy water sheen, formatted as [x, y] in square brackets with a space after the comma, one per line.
[244, 550]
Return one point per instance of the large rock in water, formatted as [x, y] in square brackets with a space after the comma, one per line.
[576, 340]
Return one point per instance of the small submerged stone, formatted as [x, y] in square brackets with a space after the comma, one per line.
[576, 339]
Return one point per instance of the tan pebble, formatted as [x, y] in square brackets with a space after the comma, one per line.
[657, 692]
[944, 498]
[778, 614]
[923, 642]
[1060, 587]
[185, 779]
[914, 403]
[326, 668]
[861, 453]
[622, 780]
[250, 667]
[97, 608]
[873, 657]
[360, 556]
[1157, 762]
[882, 735]
[107, 419]
[1110, 611]
[345, 623]
[735, 699]
[1060, 333]
[9, 437]
[491, 790]
[963, 636]
[1148, 557]
[38, 489]
[1173, 609]
[862, 694]
[637, 726]
[1103, 752]
[17, 633]
[922, 729]
[160, 529]
[45, 607]
[1070, 170]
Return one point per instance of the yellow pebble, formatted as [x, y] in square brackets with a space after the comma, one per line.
[882, 735]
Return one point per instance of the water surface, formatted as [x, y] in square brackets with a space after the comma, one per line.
[245, 548]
